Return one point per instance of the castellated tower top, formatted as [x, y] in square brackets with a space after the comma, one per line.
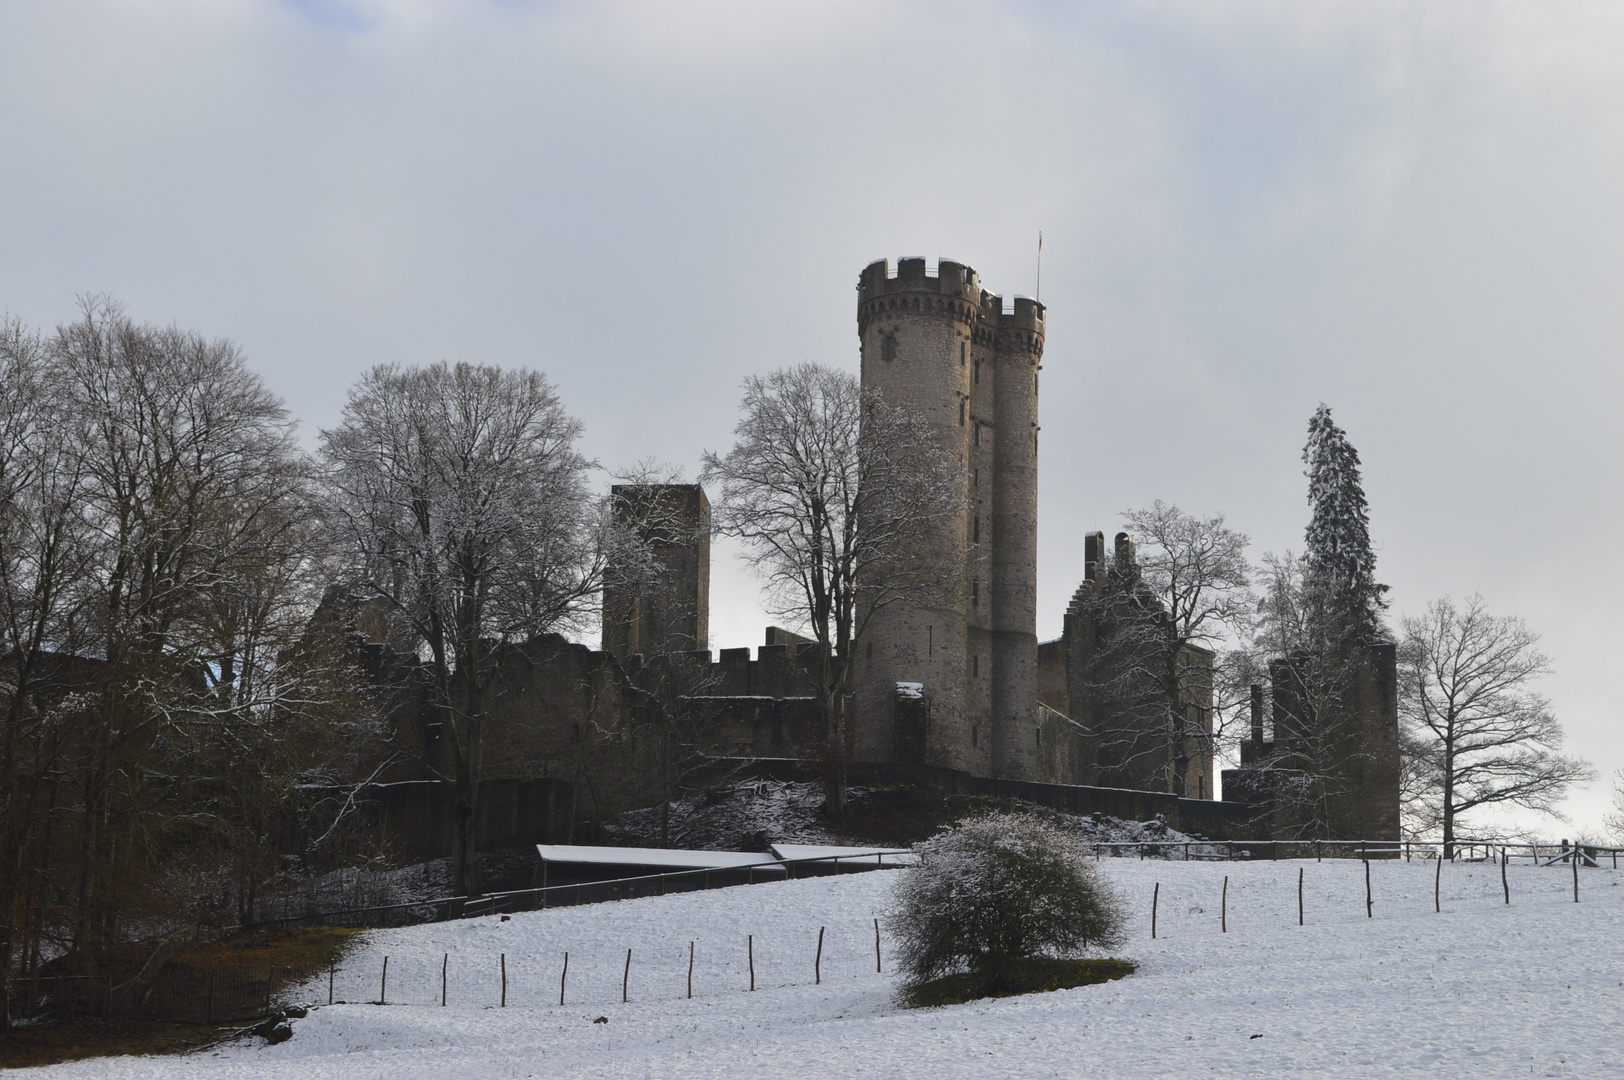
[953, 292]
[951, 279]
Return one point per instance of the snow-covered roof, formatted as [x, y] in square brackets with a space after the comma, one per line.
[888, 856]
[636, 856]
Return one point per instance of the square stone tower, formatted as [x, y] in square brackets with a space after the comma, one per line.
[942, 346]
[656, 597]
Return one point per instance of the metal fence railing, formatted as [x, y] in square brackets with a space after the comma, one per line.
[587, 892]
[1319, 850]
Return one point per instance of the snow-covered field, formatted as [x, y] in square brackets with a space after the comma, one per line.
[1480, 990]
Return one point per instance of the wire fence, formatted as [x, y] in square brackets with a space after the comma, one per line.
[660, 965]
[178, 992]
[1320, 850]
[443, 909]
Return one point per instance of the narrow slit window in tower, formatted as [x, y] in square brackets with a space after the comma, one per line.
[962, 404]
[975, 666]
[889, 348]
[977, 538]
[962, 350]
[978, 369]
[975, 591]
[977, 439]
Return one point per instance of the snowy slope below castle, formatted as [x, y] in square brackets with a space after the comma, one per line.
[748, 815]
[1480, 990]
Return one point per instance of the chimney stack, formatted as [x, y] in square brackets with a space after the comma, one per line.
[1093, 555]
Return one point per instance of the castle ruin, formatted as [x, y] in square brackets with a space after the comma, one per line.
[957, 692]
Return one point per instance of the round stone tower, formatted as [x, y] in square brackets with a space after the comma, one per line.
[940, 346]
[1017, 346]
[916, 332]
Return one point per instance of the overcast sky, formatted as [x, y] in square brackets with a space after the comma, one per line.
[1411, 212]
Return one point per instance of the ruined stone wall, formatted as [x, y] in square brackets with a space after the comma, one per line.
[1052, 674]
[1131, 741]
[1332, 769]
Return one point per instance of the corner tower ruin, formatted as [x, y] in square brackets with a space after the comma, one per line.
[943, 347]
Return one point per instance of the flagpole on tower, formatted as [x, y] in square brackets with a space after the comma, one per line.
[1039, 291]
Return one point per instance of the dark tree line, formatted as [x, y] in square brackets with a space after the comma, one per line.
[179, 733]
[163, 714]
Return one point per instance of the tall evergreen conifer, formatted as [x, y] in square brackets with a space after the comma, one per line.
[1339, 566]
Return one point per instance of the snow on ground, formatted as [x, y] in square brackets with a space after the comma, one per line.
[1481, 990]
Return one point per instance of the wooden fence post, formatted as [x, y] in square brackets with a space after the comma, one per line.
[1224, 910]
[1575, 873]
[817, 963]
[877, 947]
[626, 978]
[1370, 901]
[504, 979]
[690, 969]
[383, 985]
[1299, 896]
[1437, 888]
[750, 946]
[1155, 898]
[1505, 884]
[563, 977]
[445, 962]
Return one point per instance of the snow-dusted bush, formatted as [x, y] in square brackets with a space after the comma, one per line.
[996, 890]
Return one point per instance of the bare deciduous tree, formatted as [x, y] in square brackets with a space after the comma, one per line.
[459, 495]
[1314, 668]
[1160, 617]
[1487, 738]
[152, 503]
[1615, 819]
[835, 493]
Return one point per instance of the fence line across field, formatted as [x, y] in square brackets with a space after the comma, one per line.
[679, 968]
[222, 994]
[443, 909]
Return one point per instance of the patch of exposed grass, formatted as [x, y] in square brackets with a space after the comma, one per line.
[299, 952]
[80, 1037]
[305, 949]
[1033, 976]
